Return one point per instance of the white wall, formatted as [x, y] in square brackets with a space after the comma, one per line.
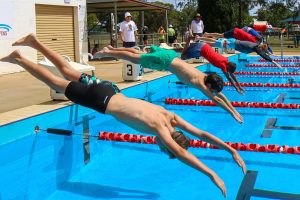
[23, 20]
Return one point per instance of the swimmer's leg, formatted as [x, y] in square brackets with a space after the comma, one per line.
[213, 35]
[205, 39]
[132, 50]
[62, 65]
[41, 73]
[125, 55]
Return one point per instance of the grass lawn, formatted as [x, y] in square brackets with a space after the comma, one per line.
[275, 44]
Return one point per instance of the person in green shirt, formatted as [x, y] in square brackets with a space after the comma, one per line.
[171, 34]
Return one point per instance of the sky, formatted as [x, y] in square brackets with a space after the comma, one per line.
[252, 11]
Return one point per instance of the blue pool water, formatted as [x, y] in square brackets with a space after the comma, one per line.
[53, 167]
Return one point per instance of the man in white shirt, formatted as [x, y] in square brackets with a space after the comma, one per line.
[128, 31]
[197, 26]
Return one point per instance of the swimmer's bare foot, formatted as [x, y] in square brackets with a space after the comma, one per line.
[102, 53]
[110, 47]
[105, 50]
[12, 57]
[26, 41]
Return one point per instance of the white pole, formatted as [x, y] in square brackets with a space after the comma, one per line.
[281, 45]
[116, 22]
[167, 25]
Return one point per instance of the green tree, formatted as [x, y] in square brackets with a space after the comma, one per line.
[222, 15]
[92, 21]
[274, 13]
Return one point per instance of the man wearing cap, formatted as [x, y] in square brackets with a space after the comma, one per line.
[128, 31]
[171, 34]
[197, 25]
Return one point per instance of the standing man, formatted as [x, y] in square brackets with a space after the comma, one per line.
[171, 34]
[128, 31]
[197, 25]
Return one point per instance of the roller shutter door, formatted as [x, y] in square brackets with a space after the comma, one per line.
[55, 28]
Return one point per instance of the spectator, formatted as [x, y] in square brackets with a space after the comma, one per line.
[95, 49]
[197, 25]
[187, 33]
[175, 36]
[161, 31]
[128, 31]
[171, 34]
[145, 36]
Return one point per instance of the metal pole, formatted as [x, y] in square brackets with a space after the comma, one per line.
[116, 22]
[167, 24]
[281, 45]
[143, 19]
[240, 13]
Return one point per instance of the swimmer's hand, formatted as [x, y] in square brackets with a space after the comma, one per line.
[239, 161]
[219, 183]
[238, 117]
[240, 91]
[277, 65]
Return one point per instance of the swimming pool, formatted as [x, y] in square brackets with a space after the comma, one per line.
[47, 166]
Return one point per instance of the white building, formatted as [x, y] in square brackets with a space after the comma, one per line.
[61, 24]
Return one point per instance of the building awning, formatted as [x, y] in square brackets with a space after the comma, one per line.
[122, 5]
[292, 19]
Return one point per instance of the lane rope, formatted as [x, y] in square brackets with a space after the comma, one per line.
[281, 60]
[146, 139]
[268, 73]
[278, 85]
[272, 65]
[195, 102]
[251, 147]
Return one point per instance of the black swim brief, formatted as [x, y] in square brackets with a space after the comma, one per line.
[91, 92]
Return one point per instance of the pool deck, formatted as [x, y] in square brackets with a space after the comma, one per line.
[23, 96]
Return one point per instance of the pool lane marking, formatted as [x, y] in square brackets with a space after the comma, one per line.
[86, 139]
[246, 190]
[275, 195]
[271, 122]
[247, 186]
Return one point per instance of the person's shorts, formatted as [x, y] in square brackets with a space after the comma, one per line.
[94, 94]
[171, 39]
[199, 34]
[128, 44]
[158, 58]
[229, 34]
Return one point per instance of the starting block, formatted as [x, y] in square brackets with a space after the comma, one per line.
[131, 71]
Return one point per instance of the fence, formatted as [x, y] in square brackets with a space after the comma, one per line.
[104, 39]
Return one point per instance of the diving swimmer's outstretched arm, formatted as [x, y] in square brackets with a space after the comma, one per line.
[265, 56]
[232, 81]
[188, 158]
[181, 123]
[228, 103]
[222, 103]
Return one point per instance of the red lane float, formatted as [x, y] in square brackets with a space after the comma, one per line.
[269, 73]
[268, 148]
[194, 102]
[278, 85]
[272, 65]
[281, 60]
